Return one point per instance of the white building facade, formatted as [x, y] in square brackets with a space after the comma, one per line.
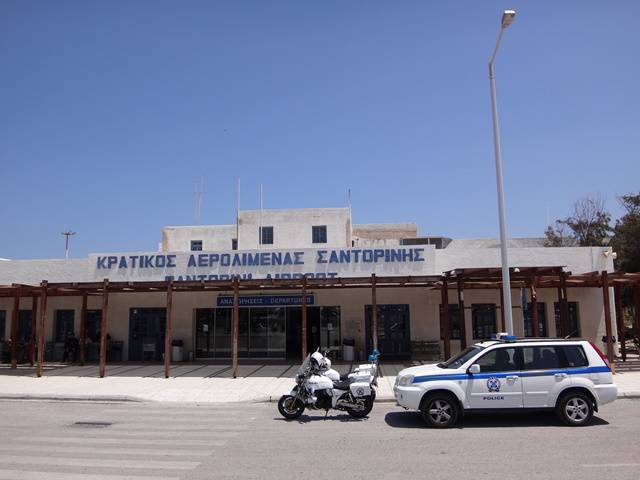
[312, 243]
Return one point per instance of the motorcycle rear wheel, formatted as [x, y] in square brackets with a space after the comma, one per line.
[367, 402]
[290, 407]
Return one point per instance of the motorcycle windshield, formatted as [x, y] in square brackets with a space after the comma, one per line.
[305, 365]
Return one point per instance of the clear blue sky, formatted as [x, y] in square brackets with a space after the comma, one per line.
[112, 110]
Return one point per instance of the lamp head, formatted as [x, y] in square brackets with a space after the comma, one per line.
[507, 18]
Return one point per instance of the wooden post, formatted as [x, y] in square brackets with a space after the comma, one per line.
[32, 331]
[607, 316]
[374, 312]
[617, 290]
[14, 328]
[535, 325]
[636, 292]
[168, 333]
[83, 327]
[502, 322]
[445, 323]
[103, 327]
[564, 306]
[236, 327]
[461, 314]
[41, 333]
[304, 318]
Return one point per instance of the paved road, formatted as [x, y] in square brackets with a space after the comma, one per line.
[40, 441]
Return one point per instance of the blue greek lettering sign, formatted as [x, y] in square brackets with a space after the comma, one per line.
[265, 300]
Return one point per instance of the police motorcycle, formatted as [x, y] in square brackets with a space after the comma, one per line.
[319, 387]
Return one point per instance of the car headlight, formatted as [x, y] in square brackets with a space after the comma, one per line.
[405, 380]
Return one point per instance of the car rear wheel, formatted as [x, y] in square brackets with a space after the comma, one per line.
[440, 410]
[575, 409]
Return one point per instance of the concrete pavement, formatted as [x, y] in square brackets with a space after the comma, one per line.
[161, 441]
[191, 383]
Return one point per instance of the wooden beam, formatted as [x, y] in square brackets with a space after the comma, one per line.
[502, 321]
[236, 327]
[103, 327]
[32, 330]
[564, 306]
[607, 317]
[617, 290]
[374, 312]
[83, 327]
[535, 325]
[445, 324]
[304, 318]
[14, 328]
[168, 334]
[41, 332]
[636, 295]
[463, 320]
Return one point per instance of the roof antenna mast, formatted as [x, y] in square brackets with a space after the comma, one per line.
[199, 192]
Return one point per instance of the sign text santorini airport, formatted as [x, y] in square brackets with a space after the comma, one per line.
[284, 264]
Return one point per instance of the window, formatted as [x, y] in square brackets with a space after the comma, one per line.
[499, 360]
[574, 356]
[461, 357]
[574, 323]
[3, 324]
[234, 244]
[454, 322]
[319, 234]
[196, 245]
[542, 320]
[266, 235]
[540, 358]
[483, 317]
[63, 324]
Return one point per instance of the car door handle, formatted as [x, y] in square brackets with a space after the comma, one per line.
[511, 377]
[560, 376]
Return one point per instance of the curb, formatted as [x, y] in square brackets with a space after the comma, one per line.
[72, 398]
[133, 399]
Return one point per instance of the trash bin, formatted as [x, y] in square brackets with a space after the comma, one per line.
[348, 347]
[177, 351]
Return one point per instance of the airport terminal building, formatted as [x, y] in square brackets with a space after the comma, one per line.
[294, 280]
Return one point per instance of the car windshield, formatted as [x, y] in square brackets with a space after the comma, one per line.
[458, 360]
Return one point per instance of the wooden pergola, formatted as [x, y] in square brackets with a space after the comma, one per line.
[531, 278]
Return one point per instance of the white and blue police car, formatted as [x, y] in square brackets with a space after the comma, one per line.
[570, 376]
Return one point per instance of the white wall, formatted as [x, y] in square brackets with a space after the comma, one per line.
[292, 228]
[214, 237]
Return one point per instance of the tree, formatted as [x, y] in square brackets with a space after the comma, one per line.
[588, 226]
[626, 240]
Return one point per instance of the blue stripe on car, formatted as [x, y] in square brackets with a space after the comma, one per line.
[520, 373]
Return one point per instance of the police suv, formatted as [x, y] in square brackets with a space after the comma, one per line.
[571, 377]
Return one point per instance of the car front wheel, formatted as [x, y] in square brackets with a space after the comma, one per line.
[575, 409]
[440, 411]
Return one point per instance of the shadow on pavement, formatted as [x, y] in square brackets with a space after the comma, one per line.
[487, 420]
[320, 418]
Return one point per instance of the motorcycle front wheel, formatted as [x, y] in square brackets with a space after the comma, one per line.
[290, 407]
[366, 402]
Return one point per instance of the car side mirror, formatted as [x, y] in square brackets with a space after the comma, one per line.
[474, 369]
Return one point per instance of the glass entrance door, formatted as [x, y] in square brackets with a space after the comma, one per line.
[146, 333]
[394, 336]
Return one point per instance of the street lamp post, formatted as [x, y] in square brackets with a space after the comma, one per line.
[507, 18]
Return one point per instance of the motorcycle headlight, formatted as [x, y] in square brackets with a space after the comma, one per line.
[405, 380]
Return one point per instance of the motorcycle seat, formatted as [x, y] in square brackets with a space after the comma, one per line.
[344, 376]
[341, 385]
